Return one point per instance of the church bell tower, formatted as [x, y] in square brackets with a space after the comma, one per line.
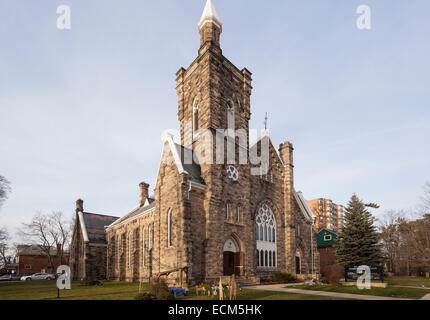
[212, 93]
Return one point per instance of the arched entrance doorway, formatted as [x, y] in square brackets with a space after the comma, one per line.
[298, 263]
[232, 258]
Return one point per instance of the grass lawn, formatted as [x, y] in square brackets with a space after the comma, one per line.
[46, 290]
[394, 292]
[248, 294]
[408, 281]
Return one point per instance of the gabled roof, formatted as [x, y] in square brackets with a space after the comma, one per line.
[322, 242]
[266, 136]
[93, 226]
[97, 221]
[304, 208]
[35, 250]
[184, 160]
[135, 212]
[193, 169]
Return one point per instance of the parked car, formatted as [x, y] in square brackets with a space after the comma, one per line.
[9, 277]
[27, 274]
[38, 276]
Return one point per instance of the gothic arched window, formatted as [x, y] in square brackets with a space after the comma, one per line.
[118, 251]
[266, 236]
[169, 229]
[149, 237]
[230, 118]
[195, 117]
[265, 259]
[143, 247]
[130, 246]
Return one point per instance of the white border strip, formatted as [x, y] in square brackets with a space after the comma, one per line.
[304, 206]
[83, 227]
[176, 156]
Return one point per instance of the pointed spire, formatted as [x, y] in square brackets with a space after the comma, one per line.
[210, 15]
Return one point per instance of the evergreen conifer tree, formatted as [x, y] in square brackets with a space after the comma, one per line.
[358, 242]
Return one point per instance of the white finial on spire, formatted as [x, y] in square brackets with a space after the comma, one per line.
[210, 15]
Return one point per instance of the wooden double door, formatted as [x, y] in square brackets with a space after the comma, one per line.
[233, 262]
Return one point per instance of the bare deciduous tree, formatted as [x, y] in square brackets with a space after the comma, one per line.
[417, 241]
[48, 232]
[426, 199]
[391, 238]
[61, 230]
[4, 189]
[38, 232]
[4, 238]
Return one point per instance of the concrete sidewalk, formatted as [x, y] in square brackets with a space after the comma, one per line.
[281, 288]
[426, 297]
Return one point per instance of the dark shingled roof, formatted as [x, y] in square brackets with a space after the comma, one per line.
[95, 225]
[193, 168]
[97, 221]
[35, 250]
[138, 211]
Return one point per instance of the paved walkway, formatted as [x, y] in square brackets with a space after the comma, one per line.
[411, 287]
[426, 297]
[281, 288]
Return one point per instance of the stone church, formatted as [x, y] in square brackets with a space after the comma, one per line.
[205, 219]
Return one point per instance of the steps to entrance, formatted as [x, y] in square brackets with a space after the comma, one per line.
[248, 281]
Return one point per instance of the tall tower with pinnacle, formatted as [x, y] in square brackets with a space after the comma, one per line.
[213, 94]
[211, 85]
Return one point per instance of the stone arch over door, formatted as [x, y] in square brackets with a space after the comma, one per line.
[233, 257]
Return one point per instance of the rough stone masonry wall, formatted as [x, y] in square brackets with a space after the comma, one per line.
[194, 228]
[271, 193]
[302, 236]
[95, 263]
[77, 253]
[286, 154]
[127, 264]
[170, 193]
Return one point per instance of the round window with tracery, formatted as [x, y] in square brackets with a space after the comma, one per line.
[232, 173]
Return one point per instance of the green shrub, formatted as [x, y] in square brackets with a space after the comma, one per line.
[165, 295]
[283, 277]
[145, 296]
[160, 290]
[324, 280]
[91, 283]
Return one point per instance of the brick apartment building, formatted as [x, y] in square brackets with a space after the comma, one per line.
[329, 215]
[31, 259]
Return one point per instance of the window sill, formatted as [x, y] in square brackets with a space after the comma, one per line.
[237, 224]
